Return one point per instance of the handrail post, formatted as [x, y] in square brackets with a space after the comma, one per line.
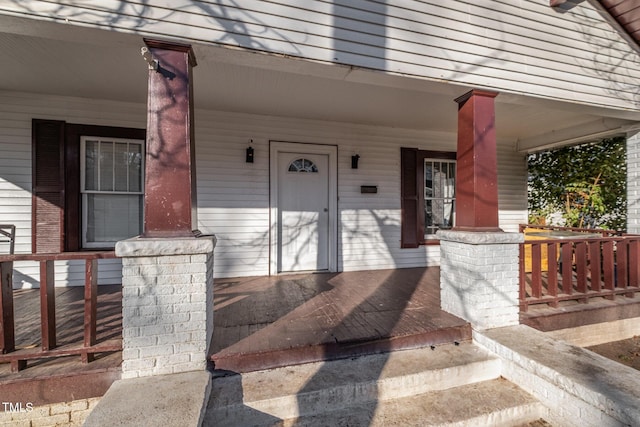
[7, 328]
[90, 306]
[47, 305]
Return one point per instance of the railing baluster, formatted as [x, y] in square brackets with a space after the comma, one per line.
[608, 266]
[581, 268]
[634, 262]
[567, 267]
[7, 327]
[552, 273]
[536, 270]
[595, 265]
[621, 264]
[47, 305]
[90, 306]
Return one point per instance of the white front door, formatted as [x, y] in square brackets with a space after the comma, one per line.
[304, 209]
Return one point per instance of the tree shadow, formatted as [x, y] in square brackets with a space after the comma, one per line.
[245, 306]
[366, 329]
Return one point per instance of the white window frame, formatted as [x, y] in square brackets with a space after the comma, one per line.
[430, 236]
[84, 192]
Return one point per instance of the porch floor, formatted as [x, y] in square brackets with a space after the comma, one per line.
[63, 378]
[264, 322]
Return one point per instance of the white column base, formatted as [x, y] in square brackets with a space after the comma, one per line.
[167, 304]
[479, 277]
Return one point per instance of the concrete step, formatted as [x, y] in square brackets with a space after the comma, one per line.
[492, 403]
[267, 397]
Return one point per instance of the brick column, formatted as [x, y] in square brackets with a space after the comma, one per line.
[479, 277]
[167, 304]
[633, 183]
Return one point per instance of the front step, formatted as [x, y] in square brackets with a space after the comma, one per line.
[353, 387]
[488, 403]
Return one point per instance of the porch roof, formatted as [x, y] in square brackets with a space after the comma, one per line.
[51, 58]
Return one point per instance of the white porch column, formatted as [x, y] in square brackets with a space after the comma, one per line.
[167, 304]
[479, 277]
[633, 183]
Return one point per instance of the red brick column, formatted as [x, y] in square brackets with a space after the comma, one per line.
[170, 181]
[477, 180]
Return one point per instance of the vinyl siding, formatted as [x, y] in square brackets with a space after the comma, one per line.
[233, 196]
[510, 46]
[16, 112]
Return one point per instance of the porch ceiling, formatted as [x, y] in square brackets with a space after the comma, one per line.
[59, 59]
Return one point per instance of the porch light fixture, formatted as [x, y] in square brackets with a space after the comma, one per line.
[249, 156]
[354, 161]
[153, 63]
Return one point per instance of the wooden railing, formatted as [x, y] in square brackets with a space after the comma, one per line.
[579, 268]
[48, 348]
[605, 233]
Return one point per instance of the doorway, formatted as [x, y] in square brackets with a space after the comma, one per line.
[303, 207]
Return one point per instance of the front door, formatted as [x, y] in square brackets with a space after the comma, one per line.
[304, 209]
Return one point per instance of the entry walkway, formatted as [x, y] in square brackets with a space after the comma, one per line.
[266, 322]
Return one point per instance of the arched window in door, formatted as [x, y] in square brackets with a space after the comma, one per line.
[302, 165]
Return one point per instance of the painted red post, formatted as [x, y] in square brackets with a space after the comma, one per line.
[7, 328]
[477, 183]
[90, 306]
[47, 305]
[170, 181]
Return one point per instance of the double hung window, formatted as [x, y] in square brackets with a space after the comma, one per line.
[439, 195]
[428, 200]
[111, 190]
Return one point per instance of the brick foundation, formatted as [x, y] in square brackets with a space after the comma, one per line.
[64, 414]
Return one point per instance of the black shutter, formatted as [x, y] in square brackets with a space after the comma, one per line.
[47, 230]
[410, 200]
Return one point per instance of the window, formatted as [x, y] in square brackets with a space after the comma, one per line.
[439, 195]
[302, 165]
[112, 190]
[427, 195]
[83, 186]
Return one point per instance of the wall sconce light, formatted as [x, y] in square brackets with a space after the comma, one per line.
[146, 54]
[354, 161]
[249, 157]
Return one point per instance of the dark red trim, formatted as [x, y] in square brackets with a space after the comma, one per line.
[170, 207]
[64, 139]
[477, 164]
[47, 169]
[409, 200]
[73, 212]
[412, 194]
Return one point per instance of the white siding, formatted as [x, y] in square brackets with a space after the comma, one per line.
[233, 196]
[512, 187]
[16, 112]
[510, 46]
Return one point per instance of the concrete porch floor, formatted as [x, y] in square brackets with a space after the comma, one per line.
[266, 322]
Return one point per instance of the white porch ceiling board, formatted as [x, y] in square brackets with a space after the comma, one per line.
[499, 43]
[238, 81]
